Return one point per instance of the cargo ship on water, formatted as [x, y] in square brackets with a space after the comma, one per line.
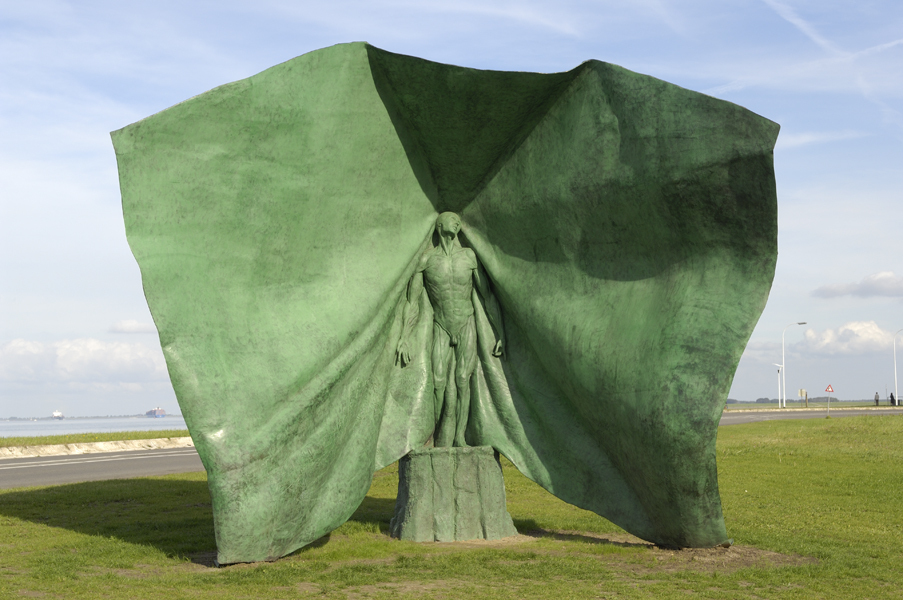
[156, 412]
[57, 415]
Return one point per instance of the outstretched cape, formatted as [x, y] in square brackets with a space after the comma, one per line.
[628, 228]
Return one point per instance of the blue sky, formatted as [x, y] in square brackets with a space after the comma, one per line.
[76, 335]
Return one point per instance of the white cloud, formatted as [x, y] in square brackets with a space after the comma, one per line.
[81, 361]
[132, 326]
[855, 337]
[884, 283]
[762, 353]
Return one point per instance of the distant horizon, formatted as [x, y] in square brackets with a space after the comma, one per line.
[179, 415]
[139, 415]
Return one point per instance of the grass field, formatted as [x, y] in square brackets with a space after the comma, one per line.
[795, 403]
[814, 508]
[77, 438]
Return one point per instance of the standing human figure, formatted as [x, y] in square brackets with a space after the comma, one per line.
[877, 398]
[893, 401]
[449, 273]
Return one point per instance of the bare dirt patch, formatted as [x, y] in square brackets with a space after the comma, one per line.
[724, 560]
[136, 573]
[652, 559]
[302, 587]
[506, 542]
[649, 560]
[139, 571]
[439, 590]
[668, 560]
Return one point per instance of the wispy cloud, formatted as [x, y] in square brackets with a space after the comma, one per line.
[855, 337]
[661, 11]
[733, 86]
[793, 140]
[132, 326]
[519, 12]
[438, 20]
[883, 284]
[790, 15]
[863, 73]
[833, 70]
[843, 60]
[877, 49]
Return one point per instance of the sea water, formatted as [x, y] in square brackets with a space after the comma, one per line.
[22, 428]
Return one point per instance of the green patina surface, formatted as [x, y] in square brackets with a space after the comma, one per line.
[628, 228]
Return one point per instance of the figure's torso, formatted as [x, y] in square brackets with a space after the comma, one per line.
[448, 279]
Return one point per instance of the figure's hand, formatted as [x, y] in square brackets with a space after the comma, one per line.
[497, 351]
[402, 354]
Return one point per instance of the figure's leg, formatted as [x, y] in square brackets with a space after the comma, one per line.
[466, 359]
[440, 358]
[445, 428]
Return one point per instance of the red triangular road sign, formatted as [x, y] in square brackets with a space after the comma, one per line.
[830, 389]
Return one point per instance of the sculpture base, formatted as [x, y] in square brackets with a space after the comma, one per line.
[451, 494]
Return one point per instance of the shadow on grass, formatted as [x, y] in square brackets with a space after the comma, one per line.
[372, 511]
[376, 511]
[530, 528]
[172, 515]
[175, 516]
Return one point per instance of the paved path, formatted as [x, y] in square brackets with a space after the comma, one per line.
[54, 470]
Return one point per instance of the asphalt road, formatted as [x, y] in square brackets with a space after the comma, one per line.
[730, 417]
[54, 470]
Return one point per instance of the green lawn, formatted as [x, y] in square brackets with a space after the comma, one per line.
[76, 438]
[814, 508]
[795, 403]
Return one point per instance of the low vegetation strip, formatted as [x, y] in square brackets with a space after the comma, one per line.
[812, 506]
[95, 447]
[84, 438]
[813, 406]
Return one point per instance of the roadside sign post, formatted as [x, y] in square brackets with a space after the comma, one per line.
[804, 394]
[830, 391]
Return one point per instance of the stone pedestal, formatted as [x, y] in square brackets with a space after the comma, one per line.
[451, 494]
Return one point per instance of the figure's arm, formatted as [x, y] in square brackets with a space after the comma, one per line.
[409, 318]
[493, 311]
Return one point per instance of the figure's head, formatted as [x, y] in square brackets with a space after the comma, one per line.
[448, 223]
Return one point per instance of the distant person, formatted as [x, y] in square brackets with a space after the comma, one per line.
[877, 398]
[893, 401]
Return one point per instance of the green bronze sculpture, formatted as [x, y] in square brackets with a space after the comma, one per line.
[619, 234]
[450, 274]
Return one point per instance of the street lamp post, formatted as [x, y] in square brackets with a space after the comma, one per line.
[783, 403]
[896, 393]
[780, 368]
